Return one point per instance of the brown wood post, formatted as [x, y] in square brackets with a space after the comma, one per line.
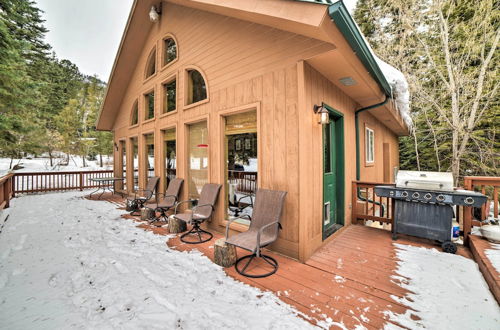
[81, 181]
[6, 191]
[354, 203]
[13, 186]
[467, 213]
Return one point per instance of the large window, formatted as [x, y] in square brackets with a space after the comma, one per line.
[170, 96]
[196, 87]
[151, 64]
[169, 145]
[241, 164]
[369, 145]
[197, 158]
[170, 50]
[134, 118]
[149, 155]
[135, 164]
[123, 157]
[149, 105]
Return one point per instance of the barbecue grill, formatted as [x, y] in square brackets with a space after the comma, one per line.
[423, 205]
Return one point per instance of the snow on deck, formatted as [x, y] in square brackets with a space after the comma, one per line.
[494, 256]
[448, 291]
[69, 262]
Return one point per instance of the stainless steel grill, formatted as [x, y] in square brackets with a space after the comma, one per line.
[423, 205]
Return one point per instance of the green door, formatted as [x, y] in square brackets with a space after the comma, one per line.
[333, 174]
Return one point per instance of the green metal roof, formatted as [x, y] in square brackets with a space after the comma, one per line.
[344, 21]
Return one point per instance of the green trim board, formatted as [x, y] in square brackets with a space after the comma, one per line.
[333, 173]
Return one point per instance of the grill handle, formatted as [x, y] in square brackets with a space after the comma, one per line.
[428, 183]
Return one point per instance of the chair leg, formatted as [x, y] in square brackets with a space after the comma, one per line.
[196, 230]
[242, 271]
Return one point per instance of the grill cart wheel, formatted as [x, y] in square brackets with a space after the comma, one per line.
[449, 247]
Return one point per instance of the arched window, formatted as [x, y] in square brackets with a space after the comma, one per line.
[151, 64]
[196, 87]
[134, 118]
[169, 50]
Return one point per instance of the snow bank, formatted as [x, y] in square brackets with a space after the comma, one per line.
[447, 291]
[494, 256]
[67, 262]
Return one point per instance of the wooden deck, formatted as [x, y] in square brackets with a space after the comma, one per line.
[478, 246]
[348, 280]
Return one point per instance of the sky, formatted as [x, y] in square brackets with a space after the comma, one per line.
[88, 32]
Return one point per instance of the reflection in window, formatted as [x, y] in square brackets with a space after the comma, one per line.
[241, 164]
[170, 51]
[198, 158]
[123, 156]
[151, 65]
[170, 91]
[197, 88]
[150, 155]
[135, 164]
[135, 114]
[170, 154]
[149, 101]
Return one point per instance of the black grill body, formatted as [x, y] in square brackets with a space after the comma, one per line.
[427, 213]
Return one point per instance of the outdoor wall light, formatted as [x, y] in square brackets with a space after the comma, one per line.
[154, 14]
[324, 115]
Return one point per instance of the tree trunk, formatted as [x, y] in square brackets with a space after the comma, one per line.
[147, 213]
[100, 159]
[176, 226]
[224, 254]
[50, 157]
[11, 161]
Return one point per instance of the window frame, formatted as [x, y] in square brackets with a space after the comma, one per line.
[144, 143]
[186, 158]
[135, 105]
[145, 104]
[149, 58]
[186, 87]
[163, 48]
[163, 155]
[369, 147]
[167, 80]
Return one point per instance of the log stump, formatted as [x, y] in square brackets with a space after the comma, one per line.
[176, 225]
[224, 254]
[147, 213]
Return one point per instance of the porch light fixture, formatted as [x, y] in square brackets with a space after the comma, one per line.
[324, 115]
[154, 14]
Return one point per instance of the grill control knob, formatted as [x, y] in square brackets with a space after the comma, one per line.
[428, 196]
[469, 201]
[415, 195]
[440, 198]
[404, 194]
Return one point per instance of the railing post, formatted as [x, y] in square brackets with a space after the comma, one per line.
[467, 225]
[354, 203]
[13, 186]
[81, 181]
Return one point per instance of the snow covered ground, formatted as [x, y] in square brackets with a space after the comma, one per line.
[67, 262]
[448, 291]
[494, 256]
[43, 164]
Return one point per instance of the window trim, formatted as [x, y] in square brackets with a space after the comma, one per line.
[186, 92]
[146, 77]
[222, 154]
[134, 105]
[144, 150]
[170, 78]
[368, 130]
[164, 65]
[132, 170]
[163, 152]
[144, 105]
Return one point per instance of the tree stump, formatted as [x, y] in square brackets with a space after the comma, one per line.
[224, 254]
[176, 225]
[147, 213]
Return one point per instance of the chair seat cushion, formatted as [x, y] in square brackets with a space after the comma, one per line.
[162, 205]
[248, 240]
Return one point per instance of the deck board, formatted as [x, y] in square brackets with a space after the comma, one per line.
[362, 295]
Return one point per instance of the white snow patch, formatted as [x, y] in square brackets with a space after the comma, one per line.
[339, 279]
[74, 263]
[448, 291]
[494, 256]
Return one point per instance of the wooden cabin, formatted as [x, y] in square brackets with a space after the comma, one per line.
[239, 93]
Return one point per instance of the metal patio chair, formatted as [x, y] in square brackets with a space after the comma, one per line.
[169, 200]
[263, 230]
[141, 196]
[199, 213]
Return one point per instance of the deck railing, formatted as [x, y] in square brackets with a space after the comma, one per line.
[246, 181]
[6, 192]
[486, 185]
[35, 182]
[368, 206]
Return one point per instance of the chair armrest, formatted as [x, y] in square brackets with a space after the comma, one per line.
[261, 229]
[181, 202]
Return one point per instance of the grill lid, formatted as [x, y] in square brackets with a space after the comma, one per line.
[440, 181]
